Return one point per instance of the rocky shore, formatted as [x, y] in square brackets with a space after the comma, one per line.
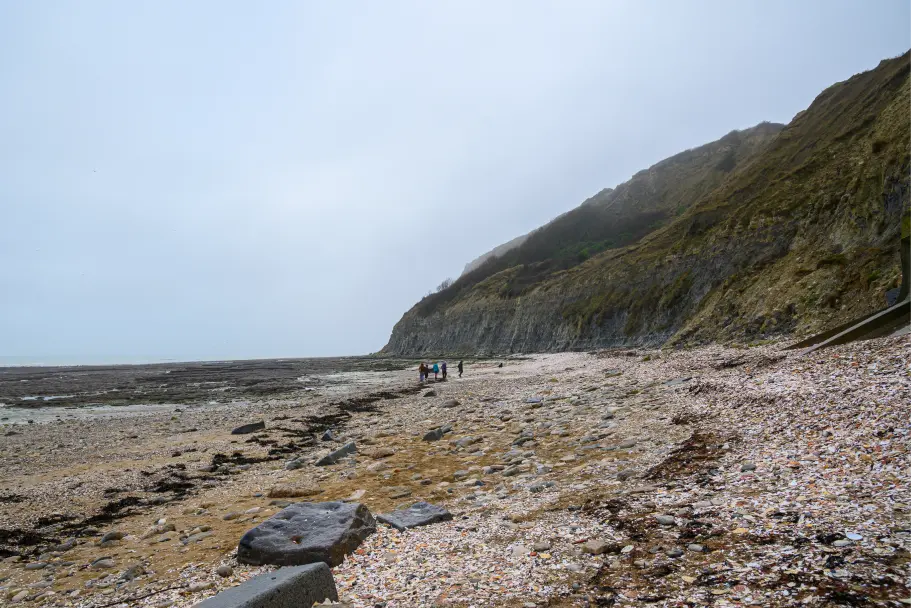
[714, 476]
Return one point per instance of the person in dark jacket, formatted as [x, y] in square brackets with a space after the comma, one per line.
[460, 369]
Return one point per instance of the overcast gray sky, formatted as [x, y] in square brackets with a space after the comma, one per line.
[212, 179]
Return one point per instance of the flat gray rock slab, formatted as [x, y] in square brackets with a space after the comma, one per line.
[334, 457]
[249, 428]
[306, 533]
[289, 587]
[677, 381]
[418, 514]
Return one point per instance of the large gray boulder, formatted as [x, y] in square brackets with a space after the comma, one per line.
[334, 457]
[418, 514]
[306, 533]
[284, 588]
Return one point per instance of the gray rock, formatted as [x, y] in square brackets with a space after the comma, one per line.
[675, 552]
[328, 435]
[195, 538]
[464, 442]
[665, 520]
[534, 400]
[626, 474]
[540, 546]
[512, 471]
[36, 566]
[430, 393]
[595, 547]
[283, 588]
[696, 548]
[677, 381]
[132, 572]
[418, 514]
[103, 562]
[842, 542]
[434, 435]
[746, 467]
[305, 533]
[449, 403]
[627, 444]
[115, 535]
[246, 429]
[224, 571]
[540, 486]
[293, 465]
[334, 457]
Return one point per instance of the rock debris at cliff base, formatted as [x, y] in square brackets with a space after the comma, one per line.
[755, 478]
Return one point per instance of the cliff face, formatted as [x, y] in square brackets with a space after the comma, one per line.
[766, 231]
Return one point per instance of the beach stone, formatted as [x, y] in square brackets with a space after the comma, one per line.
[540, 546]
[288, 491]
[65, 545]
[200, 586]
[540, 486]
[36, 566]
[114, 535]
[380, 453]
[224, 571]
[449, 403]
[626, 474]
[702, 504]
[293, 465]
[376, 467]
[665, 520]
[627, 444]
[396, 492]
[282, 588]
[677, 381]
[532, 400]
[334, 457]
[132, 572]
[675, 552]
[434, 435]
[595, 547]
[696, 548]
[746, 467]
[430, 393]
[195, 538]
[842, 542]
[464, 442]
[419, 514]
[328, 435]
[231, 515]
[246, 429]
[305, 533]
[103, 563]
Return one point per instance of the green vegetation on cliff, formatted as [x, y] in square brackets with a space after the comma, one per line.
[765, 231]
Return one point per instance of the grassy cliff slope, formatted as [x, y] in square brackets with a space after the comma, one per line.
[767, 231]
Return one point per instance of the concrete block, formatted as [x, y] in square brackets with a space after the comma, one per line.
[289, 587]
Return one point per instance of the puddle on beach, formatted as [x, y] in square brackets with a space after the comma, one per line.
[44, 414]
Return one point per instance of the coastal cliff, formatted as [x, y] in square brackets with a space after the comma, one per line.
[767, 231]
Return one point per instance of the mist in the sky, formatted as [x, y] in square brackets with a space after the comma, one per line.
[210, 179]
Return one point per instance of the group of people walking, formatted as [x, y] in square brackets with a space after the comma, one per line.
[425, 369]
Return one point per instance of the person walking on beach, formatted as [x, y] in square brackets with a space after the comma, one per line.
[422, 371]
[443, 368]
[460, 369]
[436, 370]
